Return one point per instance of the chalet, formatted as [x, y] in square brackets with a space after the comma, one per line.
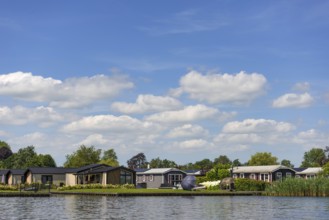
[308, 173]
[160, 177]
[4, 176]
[100, 173]
[265, 173]
[15, 176]
[44, 175]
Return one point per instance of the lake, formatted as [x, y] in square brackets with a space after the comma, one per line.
[181, 207]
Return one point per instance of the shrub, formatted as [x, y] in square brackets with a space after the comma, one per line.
[96, 186]
[242, 184]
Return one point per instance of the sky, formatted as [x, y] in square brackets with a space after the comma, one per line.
[180, 80]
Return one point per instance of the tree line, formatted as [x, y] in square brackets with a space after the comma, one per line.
[85, 155]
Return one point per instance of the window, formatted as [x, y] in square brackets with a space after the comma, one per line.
[175, 179]
[264, 177]
[241, 175]
[144, 178]
[252, 176]
[46, 179]
[126, 177]
[297, 176]
[310, 176]
[288, 175]
[151, 178]
[278, 176]
[235, 176]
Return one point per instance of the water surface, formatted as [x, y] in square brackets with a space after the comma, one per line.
[200, 207]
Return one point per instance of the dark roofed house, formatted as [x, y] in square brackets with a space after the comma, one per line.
[100, 173]
[4, 176]
[16, 176]
[268, 173]
[53, 175]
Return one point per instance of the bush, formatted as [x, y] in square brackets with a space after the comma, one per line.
[8, 188]
[242, 184]
[201, 179]
[96, 186]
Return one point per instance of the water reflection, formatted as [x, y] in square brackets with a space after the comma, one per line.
[101, 207]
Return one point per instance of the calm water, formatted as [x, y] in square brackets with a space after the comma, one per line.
[99, 207]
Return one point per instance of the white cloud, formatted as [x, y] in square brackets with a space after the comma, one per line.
[109, 123]
[312, 138]
[71, 93]
[19, 115]
[301, 87]
[94, 140]
[257, 126]
[188, 114]
[188, 131]
[293, 100]
[147, 103]
[252, 131]
[218, 88]
[194, 144]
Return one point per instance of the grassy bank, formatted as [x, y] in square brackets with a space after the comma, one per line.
[299, 187]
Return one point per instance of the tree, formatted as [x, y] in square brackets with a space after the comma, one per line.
[110, 158]
[222, 159]
[262, 158]
[158, 163]
[5, 150]
[137, 161]
[204, 164]
[314, 158]
[83, 156]
[287, 163]
[46, 160]
[219, 172]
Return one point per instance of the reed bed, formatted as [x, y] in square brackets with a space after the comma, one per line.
[318, 187]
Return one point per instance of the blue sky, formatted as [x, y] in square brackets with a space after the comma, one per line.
[180, 80]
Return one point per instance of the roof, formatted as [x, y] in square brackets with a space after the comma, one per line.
[49, 170]
[4, 172]
[192, 171]
[259, 169]
[311, 170]
[160, 171]
[138, 170]
[17, 171]
[106, 169]
[86, 168]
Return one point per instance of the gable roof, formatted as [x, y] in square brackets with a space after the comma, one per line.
[48, 170]
[17, 171]
[87, 167]
[160, 171]
[310, 170]
[259, 169]
[4, 172]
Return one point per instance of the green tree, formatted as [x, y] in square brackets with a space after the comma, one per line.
[204, 164]
[262, 158]
[218, 172]
[159, 163]
[222, 159]
[110, 158]
[46, 160]
[5, 150]
[314, 158]
[83, 156]
[287, 163]
[137, 161]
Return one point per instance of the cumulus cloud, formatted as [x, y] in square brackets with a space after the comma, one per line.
[301, 86]
[257, 126]
[188, 131]
[218, 88]
[71, 93]
[94, 139]
[188, 114]
[252, 131]
[293, 100]
[109, 123]
[312, 138]
[194, 144]
[147, 103]
[19, 115]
